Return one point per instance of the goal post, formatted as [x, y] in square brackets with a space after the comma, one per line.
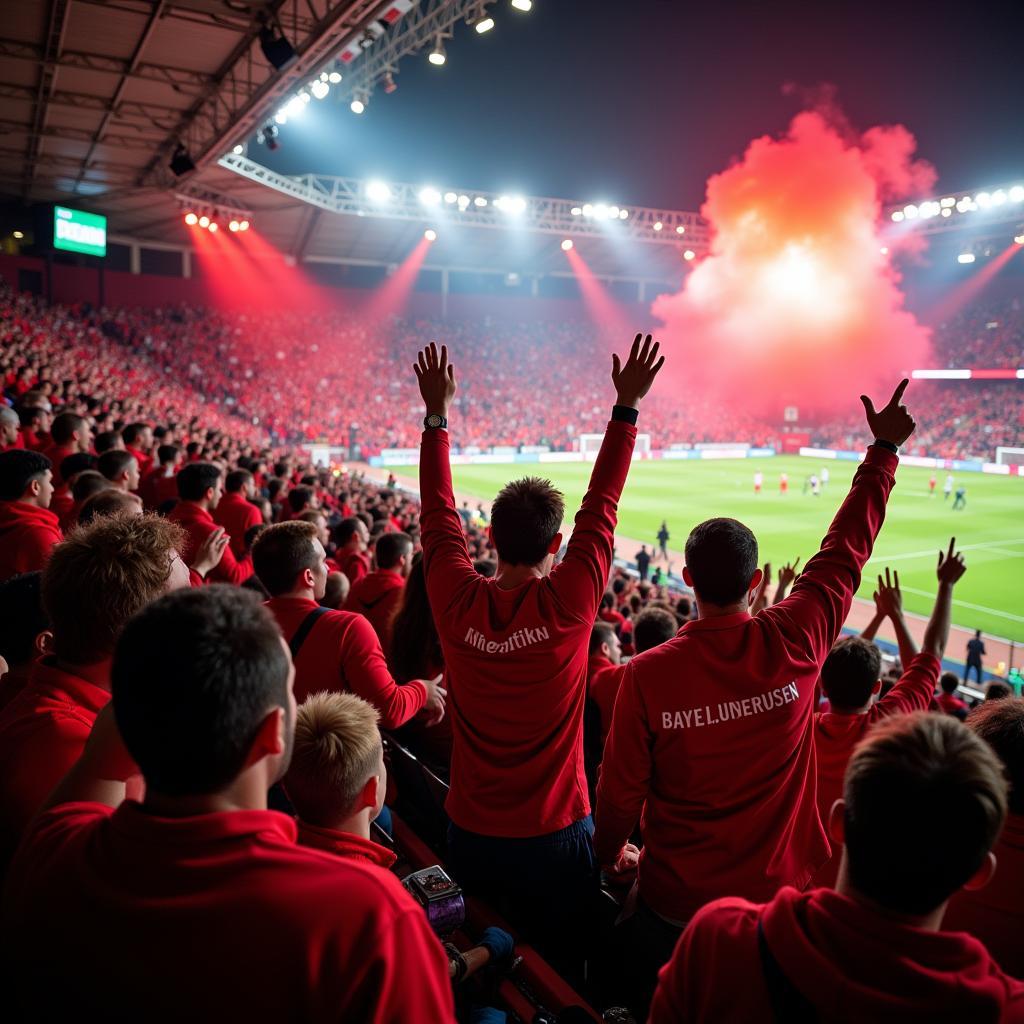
[1010, 456]
[590, 445]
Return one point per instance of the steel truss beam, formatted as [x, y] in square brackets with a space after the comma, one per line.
[541, 215]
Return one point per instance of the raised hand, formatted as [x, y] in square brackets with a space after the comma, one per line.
[634, 380]
[788, 573]
[893, 423]
[436, 378]
[888, 599]
[951, 566]
[210, 552]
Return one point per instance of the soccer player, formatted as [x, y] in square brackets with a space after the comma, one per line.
[875, 948]
[515, 649]
[732, 811]
[850, 680]
[947, 487]
[783, 483]
[960, 501]
[824, 477]
[209, 907]
[931, 485]
[28, 528]
[663, 538]
[758, 481]
[975, 652]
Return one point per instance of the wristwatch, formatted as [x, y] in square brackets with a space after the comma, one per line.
[435, 420]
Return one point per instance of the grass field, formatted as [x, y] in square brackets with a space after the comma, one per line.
[990, 531]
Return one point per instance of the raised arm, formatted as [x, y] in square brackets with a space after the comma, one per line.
[787, 577]
[889, 602]
[447, 566]
[581, 577]
[949, 570]
[811, 617]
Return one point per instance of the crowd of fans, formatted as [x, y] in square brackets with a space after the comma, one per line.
[196, 625]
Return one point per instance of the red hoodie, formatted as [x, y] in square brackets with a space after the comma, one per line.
[217, 917]
[516, 660]
[376, 597]
[355, 564]
[342, 653]
[198, 524]
[714, 730]
[236, 515]
[344, 844]
[995, 914]
[848, 962]
[27, 535]
[836, 735]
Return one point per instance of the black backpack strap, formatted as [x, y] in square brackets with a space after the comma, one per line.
[788, 1003]
[303, 631]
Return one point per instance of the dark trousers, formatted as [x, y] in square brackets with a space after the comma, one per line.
[544, 885]
[971, 664]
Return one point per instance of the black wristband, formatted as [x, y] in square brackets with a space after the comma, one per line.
[887, 445]
[625, 413]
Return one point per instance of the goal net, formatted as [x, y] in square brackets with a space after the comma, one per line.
[1010, 456]
[590, 445]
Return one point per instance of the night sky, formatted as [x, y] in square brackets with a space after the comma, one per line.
[639, 101]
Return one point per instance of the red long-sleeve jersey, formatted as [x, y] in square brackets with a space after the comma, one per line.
[198, 524]
[516, 660]
[712, 734]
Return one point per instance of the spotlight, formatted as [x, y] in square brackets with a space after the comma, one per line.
[213, 227]
[450, 197]
[688, 255]
[233, 225]
[204, 221]
[511, 204]
[294, 106]
[897, 216]
[680, 230]
[983, 199]
[577, 210]
[463, 201]
[437, 56]
[600, 211]
[18, 234]
[946, 212]
[480, 201]
[1019, 239]
[357, 106]
[320, 89]
[658, 225]
[485, 26]
[281, 117]
[429, 196]
[613, 212]
[191, 218]
[377, 192]
[965, 257]
[334, 77]
[243, 225]
[523, 5]
[948, 201]
[566, 245]
[180, 162]
[278, 51]
[1017, 194]
[623, 214]
[884, 250]
[430, 235]
[587, 209]
[389, 84]
[910, 211]
[304, 96]
[238, 150]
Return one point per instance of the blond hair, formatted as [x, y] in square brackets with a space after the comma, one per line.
[337, 749]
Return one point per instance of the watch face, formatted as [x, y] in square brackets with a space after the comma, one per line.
[433, 420]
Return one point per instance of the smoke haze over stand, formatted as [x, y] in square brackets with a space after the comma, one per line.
[796, 304]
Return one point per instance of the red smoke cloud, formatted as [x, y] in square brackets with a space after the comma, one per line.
[796, 303]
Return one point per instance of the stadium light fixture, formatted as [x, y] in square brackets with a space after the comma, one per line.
[191, 218]
[1019, 239]
[238, 150]
[204, 221]
[18, 234]
[511, 204]
[998, 197]
[897, 216]
[213, 228]
[910, 211]
[233, 225]
[965, 257]
[281, 117]
[377, 192]
[947, 212]
[480, 201]
[243, 225]
[623, 214]
[983, 199]
[320, 90]
[523, 5]
[357, 106]
[658, 225]
[680, 230]
[688, 255]
[334, 77]
[884, 250]
[429, 196]
[430, 235]
[437, 56]
[577, 211]
[451, 197]
[566, 244]
[484, 25]
[588, 209]
[1017, 194]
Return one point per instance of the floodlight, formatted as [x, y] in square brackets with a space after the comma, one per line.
[897, 216]
[437, 56]
[429, 196]
[377, 192]
[566, 245]
[18, 234]
[523, 5]
[680, 229]
[430, 235]
[238, 150]
[576, 211]
[588, 209]
[884, 250]
[1019, 239]
[658, 225]
[233, 225]
[623, 214]
[281, 117]
[191, 218]
[613, 212]
[357, 106]
[688, 255]
[983, 199]
[450, 197]
[965, 257]
[1017, 194]
[334, 77]
[320, 89]
[204, 221]
[480, 201]
[243, 225]
[946, 212]
[910, 211]
[485, 26]
[213, 227]
[998, 197]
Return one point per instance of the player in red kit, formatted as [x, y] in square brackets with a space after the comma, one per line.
[783, 483]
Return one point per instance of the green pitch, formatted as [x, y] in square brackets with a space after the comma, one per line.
[990, 531]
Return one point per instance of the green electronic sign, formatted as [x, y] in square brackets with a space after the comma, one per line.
[76, 231]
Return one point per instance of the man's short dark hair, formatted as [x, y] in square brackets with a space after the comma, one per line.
[283, 551]
[190, 716]
[76, 463]
[29, 414]
[18, 468]
[925, 801]
[525, 517]
[653, 626]
[486, 567]
[166, 454]
[721, 555]
[236, 480]
[22, 617]
[997, 690]
[345, 530]
[601, 633]
[195, 479]
[1000, 723]
[949, 681]
[299, 498]
[115, 462]
[850, 672]
[105, 441]
[133, 432]
[65, 426]
[88, 483]
[390, 549]
[109, 502]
